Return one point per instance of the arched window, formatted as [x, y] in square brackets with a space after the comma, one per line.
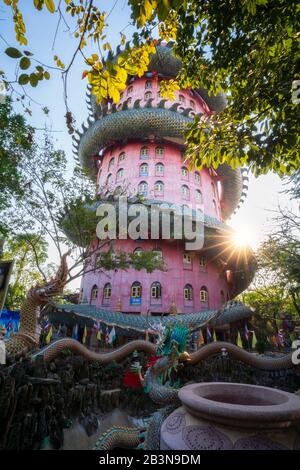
[192, 114]
[155, 290]
[188, 292]
[118, 191]
[109, 179]
[202, 261]
[121, 95]
[94, 292]
[148, 84]
[129, 101]
[184, 173]
[199, 198]
[120, 174]
[144, 152]
[148, 95]
[121, 157]
[198, 177]
[185, 192]
[143, 188]
[215, 207]
[158, 187]
[192, 104]
[213, 188]
[136, 290]
[111, 163]
[159, 151]
[158, 253]
[138, 251]
[129, 90]
[107, 291]
[181, 99]
[203, 294]
[159, 169]
[144, 169]
[222, 296]
[187, 258]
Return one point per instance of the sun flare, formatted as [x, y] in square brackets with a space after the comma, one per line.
[243, 238]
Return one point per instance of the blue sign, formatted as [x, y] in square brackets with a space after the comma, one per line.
[135, 300]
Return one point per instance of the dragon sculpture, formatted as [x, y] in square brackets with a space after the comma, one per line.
[28, 335]
[170, 348]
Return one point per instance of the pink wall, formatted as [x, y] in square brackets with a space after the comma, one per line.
[178, 274]
[172, 177]
[172, 281]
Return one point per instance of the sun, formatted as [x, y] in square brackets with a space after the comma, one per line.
[242, 238]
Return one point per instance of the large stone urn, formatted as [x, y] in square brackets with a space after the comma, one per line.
[224, 416]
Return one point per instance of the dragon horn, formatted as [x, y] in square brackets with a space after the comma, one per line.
[56, 284]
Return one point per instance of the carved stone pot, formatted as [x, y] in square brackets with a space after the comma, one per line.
[224, 416]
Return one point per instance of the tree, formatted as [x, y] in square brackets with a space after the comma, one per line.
[247, 49]
[28, 252]
[58, 205]
[276, 287]
[15, 145]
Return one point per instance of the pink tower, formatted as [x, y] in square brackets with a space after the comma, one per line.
[139, 145]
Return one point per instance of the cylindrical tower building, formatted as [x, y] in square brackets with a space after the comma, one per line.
[137, 147]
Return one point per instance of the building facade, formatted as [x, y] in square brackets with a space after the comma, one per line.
[137, 148]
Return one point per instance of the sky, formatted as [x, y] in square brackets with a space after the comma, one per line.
[265, 193]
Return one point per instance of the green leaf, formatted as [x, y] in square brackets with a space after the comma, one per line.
[23, 79]
[13, 53]
[25, 63]
[33, 80]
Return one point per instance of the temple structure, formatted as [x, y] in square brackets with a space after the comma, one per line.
[137, 147]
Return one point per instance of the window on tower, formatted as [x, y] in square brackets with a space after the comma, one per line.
[215, 207]
[148, 95]
[185, 192]
[111, 163]
[120, 174]
[144, 169]
[121, 157]
[144, 152]
[203, 294]
[187, 258]
[156, 290]
[188, 292]
[158, 253]
[159, 187]
[143, 188]
[129, 90]
[159, 151]
[94, 292]
[222, 297]
[107, 291]
[192, 104]
[109, 179]
[159, 169]
[184, 173]
[136, 290]
[202, 261]
[199, 198]
[148, 84]
[198, 177]
[181, 99]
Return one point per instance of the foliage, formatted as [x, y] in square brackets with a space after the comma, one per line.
[250, 54]
[15, 144]
[121, 260]
[28, 252]
[276, 287]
